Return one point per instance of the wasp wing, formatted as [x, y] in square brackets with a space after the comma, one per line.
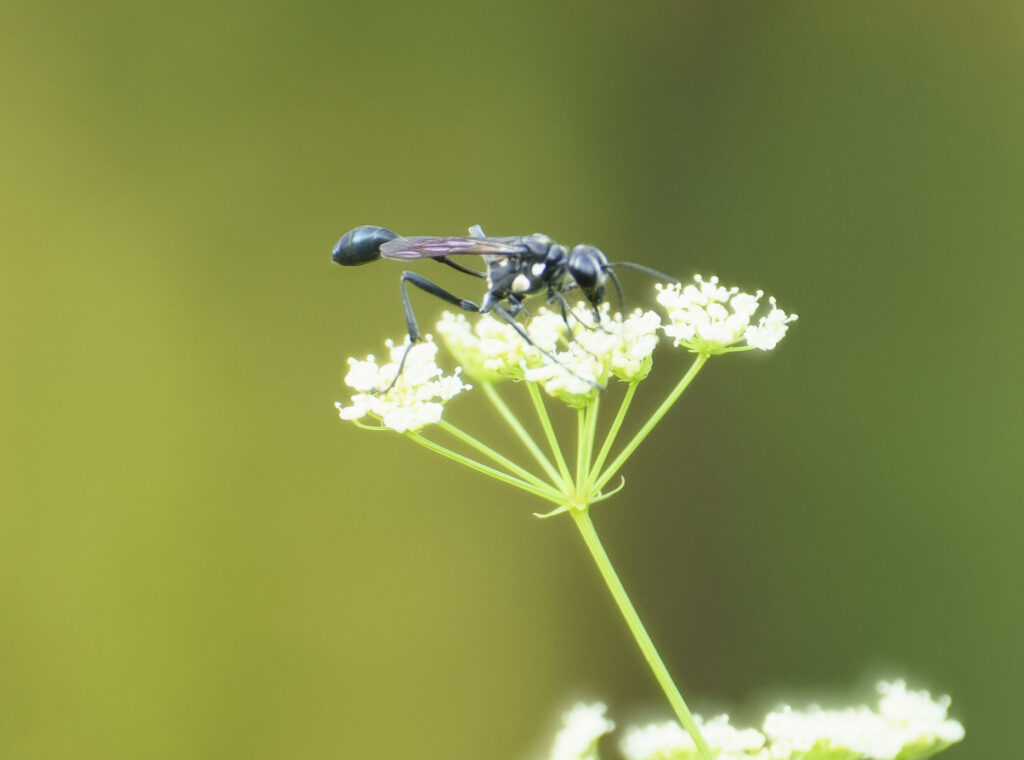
[436, 247]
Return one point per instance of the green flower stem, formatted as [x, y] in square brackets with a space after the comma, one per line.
[636, 627]
[581, 434]
[521, 472]
[549, 433]
[588, 439]
[547, 493]
[587, 431]
[660, 412]
[520, 431]
[613, 431]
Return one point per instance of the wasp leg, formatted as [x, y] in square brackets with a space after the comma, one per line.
[415, 336]
[566, 310]
[557, 295]
[427, 286]
[460, 268]
[516, 306]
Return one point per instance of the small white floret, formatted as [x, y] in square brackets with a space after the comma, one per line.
[413, 400]
[708, 318]
[582, 726]
[770, 329]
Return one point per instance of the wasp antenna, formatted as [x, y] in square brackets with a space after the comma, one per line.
[644, 270]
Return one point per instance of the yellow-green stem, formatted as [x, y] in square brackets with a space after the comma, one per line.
[520, 431]
[636, 627]
[609, 439]
[547, 493]
[549, 433]
[660, 412]
[520, 472]
[581, 447]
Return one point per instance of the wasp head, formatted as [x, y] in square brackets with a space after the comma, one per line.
[587, 266]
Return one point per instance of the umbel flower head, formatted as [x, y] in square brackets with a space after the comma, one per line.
[570, 356]
[415, 399]
[708, 318]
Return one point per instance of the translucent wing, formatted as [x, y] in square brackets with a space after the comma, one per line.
[435, 247]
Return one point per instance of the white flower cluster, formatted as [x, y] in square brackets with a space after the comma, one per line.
[585, 359]
[906, 724]
[488, 349]
[582, 726]
[416, 399]
[668, 741]
[570, 356]
[708, 318]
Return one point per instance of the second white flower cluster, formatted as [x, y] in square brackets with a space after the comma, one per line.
[906, 724]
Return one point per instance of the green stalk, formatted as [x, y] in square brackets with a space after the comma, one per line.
[547, 493]
[613, 431]
[549, 433]
[660, 412]
[581, 432]
[494, 456]
[636, 627]
[589, 434]
[520, 431]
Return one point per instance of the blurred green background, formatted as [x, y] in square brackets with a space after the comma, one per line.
[198, 560]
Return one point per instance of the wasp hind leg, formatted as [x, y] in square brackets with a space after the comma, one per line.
[415, 336]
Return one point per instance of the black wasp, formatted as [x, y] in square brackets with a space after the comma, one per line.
[517, 267]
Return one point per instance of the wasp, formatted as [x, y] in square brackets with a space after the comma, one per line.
[516, 267]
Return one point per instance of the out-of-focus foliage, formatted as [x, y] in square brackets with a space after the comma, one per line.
[197, 559]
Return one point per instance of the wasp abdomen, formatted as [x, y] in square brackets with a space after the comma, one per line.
[361, 245]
